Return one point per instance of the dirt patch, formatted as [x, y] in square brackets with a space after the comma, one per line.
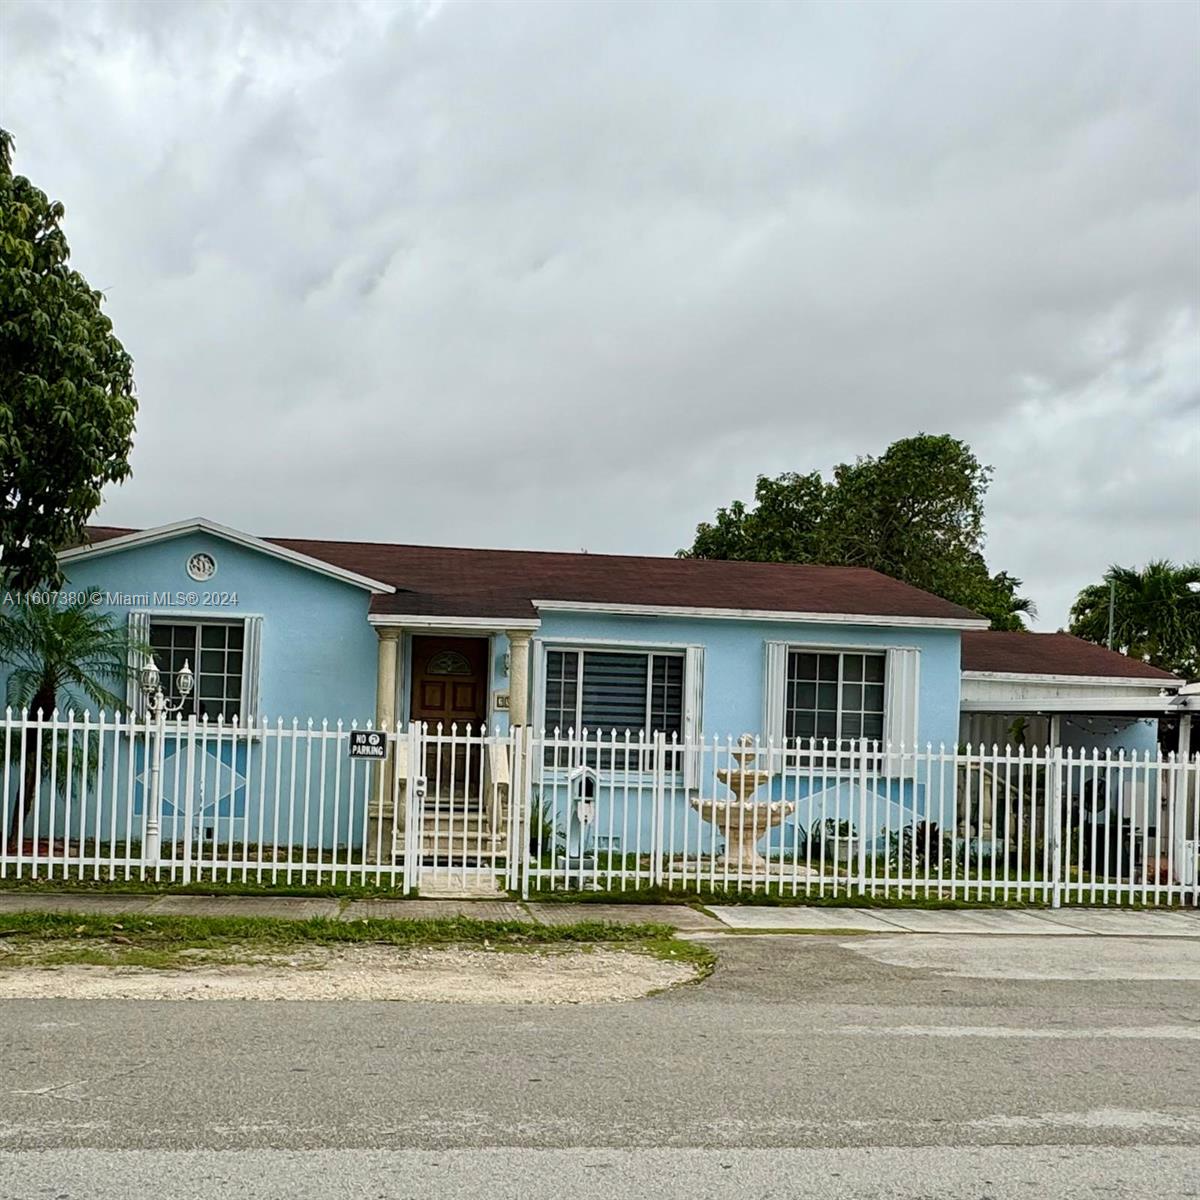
[453, 975]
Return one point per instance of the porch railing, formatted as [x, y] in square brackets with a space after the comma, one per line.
[286, 803]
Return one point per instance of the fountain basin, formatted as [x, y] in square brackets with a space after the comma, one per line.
[743, 824]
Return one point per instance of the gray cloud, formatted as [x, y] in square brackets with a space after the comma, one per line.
[572, 275]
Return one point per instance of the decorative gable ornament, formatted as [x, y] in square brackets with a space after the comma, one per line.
[201, 567]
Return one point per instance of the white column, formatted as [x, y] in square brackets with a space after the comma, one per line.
[518, 676]
[379, 841]
[385, 677]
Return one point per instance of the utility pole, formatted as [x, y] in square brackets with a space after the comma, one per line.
[1112, 608]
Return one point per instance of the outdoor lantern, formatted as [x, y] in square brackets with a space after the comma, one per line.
[150, 677]
[183, 681]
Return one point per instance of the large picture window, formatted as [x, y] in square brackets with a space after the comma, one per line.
[631, 690]
[638, 691]
[837, 695]
[215, 651]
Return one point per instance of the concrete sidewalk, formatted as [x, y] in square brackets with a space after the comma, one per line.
[1062, 922]
[723, 921]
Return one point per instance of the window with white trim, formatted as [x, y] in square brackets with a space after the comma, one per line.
[215, 652]
[639, 691]
[839, 695]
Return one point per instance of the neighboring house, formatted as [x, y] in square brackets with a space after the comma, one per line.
[372, 631]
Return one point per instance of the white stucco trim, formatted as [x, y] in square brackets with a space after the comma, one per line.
[1080, 704]
[1101, 680]
[754, 614]
[451, 625]
[163, 533]
[591, 643]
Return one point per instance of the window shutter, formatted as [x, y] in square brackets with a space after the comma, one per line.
[251, 668]
[900, 718]
[693, 715]
[774, 686]
[538, 685]
[138, 630]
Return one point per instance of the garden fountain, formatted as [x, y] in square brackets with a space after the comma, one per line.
[742, 820]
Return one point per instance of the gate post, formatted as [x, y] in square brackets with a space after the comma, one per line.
[860, 858]
[1056, 803]
[189, 798]
[413, 797]
[520, 799]
[660, 772]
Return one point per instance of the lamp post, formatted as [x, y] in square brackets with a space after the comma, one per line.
[158, 708]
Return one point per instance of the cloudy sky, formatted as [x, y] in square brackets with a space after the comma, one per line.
[571, 275]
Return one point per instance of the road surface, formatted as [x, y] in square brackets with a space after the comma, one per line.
[806, 1066]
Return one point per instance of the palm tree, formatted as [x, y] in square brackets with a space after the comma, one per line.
[1155, 614]
[56, 654]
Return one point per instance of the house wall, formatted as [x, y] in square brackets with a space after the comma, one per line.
[735, 661]
[734, 676]
[318, 661]
[318, 652]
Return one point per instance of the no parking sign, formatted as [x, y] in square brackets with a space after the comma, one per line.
[366, 743]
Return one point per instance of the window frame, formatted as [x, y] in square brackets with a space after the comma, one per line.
[836, 741]
[198, 623]
[649, 652]
[641, 763]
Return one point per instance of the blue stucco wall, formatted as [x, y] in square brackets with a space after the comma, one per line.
[734, 674]
[318, 652]
[735, 657]
[318, 661]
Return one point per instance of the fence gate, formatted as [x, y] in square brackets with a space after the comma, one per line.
[456, 807]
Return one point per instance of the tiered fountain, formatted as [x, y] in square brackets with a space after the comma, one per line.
[742, 820]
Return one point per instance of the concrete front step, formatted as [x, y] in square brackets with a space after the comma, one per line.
[447, 883]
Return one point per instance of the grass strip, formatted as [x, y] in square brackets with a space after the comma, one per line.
[431, 931]
[134, 939]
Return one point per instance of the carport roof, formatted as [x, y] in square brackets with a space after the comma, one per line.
[1003, 653]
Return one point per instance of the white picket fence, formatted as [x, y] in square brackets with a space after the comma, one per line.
[286, 803]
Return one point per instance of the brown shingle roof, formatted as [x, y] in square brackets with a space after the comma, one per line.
[1049, 654]
[452, 581]
[456, 582]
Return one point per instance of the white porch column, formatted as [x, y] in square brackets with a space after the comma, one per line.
[1054, 737]
[379, 829]
[518, 676]
[385, 677]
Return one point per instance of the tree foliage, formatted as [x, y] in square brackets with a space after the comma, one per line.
[56, 654]
[915, 513]
[66, 388]
[1156, 614]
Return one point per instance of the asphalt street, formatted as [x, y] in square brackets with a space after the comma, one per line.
[806, 1066]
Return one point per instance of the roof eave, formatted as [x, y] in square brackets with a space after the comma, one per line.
[1131, 681]
[754, 614]
[162, 533]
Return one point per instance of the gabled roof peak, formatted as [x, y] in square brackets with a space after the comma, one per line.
[113, 540]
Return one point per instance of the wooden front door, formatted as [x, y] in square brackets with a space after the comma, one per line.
[450, 688]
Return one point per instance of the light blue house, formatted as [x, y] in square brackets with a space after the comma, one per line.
[391, 634]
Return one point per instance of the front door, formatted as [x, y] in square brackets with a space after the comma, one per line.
[449, 688]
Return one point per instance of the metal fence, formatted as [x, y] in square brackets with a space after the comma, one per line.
[425, 809]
